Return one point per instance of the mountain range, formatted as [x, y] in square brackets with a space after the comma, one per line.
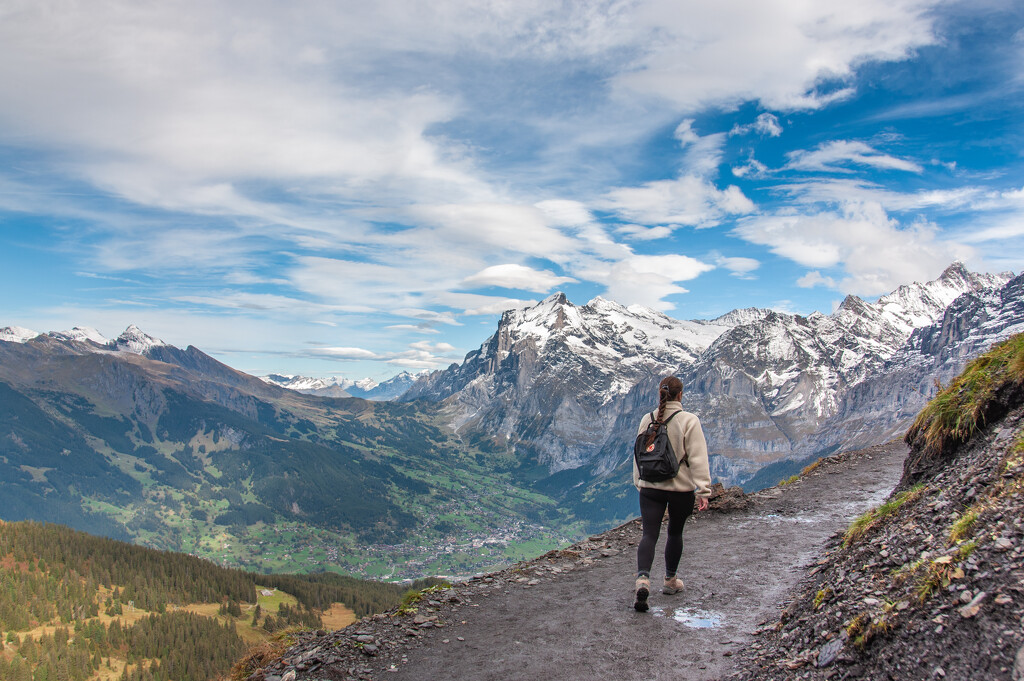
[366, 388]
[564, 386]
[135, 438]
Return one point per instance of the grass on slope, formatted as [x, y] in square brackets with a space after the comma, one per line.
[862, 525]
[959, 410]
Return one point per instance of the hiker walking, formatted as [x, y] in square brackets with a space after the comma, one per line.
[665, 433]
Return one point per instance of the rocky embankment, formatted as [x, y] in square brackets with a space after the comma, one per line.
[928, 586]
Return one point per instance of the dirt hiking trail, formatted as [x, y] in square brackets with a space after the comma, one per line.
[578, 623]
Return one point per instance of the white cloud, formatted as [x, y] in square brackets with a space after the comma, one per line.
[647, 279]
[688, 200]
[738, 266]
[420, 354]
[243, 300]
[701, 154]
[849, 190]
[876, 252]
[565, 213]
[642, 233]
[768, 124]
[432, 316]
[752, 167]
[508, 227]
[474, 304]
[426, 346]
[765, 124]
[416, 328]
[828, 156]
[780, 54]
[815, 278]
[346, 353]
[511, 275]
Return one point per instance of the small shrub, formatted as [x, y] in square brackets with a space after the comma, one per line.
[810, 467]
[902, 573]
[857, 624]
[860, 526]
[963, 525]
[874, 628]
[413, 596]
[789, 481]
[941, 572]
[965, 550]
[821, 597]
[257, 657]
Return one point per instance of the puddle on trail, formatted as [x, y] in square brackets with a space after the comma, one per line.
[694, 619]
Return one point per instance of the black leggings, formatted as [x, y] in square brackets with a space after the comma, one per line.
[652, 510]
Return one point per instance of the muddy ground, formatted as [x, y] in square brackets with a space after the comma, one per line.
[559, 619]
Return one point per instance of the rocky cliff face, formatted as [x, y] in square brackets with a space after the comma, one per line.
[552, 378]
[566, 384]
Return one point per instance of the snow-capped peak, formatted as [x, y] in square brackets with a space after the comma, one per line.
[917, 305]
[136, 340]
[16, 334]
[81, 334]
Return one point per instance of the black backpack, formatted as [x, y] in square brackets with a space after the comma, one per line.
[656, 461]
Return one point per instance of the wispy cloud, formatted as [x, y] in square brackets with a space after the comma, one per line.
[832, 156]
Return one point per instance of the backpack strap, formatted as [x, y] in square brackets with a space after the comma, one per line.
[655, 421]
[686, 454]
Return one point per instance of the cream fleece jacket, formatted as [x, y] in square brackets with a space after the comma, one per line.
[685, 434]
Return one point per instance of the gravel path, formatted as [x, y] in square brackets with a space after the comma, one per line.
[579, 623]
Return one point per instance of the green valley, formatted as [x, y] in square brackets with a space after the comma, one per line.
[186, 454]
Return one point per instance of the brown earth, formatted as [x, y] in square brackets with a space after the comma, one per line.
[569, 613]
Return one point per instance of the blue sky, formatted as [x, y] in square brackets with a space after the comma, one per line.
[343, 188]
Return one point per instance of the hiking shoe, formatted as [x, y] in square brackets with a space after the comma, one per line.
[672, 586]
[643, 590]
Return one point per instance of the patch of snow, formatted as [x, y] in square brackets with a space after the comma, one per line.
[81, 334]
[136, 341]
[17, 334]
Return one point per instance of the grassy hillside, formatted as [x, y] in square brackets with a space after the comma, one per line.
[74, 606]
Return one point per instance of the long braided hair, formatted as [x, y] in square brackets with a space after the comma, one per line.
[670, 388]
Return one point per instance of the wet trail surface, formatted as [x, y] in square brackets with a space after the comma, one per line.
[738, 567]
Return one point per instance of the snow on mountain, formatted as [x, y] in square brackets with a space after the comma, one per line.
[551, 377]
[563, 383]
[133, 340]
[16, 334]
[774, 389]
[81, 334]
[301, 383]
[607, 333]
[136, 341]
[334, 386]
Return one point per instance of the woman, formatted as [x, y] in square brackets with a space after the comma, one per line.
[692, 482]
